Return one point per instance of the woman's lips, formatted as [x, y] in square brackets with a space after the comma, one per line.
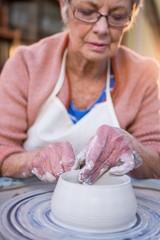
[98, 47]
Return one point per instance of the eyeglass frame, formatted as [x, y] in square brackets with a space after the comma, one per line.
[99, 16]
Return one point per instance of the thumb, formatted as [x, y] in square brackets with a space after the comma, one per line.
[80, 160]
[124, 165]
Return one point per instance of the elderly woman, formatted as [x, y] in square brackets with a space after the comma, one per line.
[80, 100]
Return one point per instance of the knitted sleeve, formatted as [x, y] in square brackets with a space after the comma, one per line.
[146, 126]
[13, 106]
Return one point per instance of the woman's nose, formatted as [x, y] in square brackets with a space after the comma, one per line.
[101, 26]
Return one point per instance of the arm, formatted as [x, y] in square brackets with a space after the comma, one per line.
[18, 165]
[115, 150]
[19, 103]
[115, 147]
[14, 82]
[151, 163]
[146, 127]
[47, 163]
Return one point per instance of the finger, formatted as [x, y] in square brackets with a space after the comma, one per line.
[37, 164]
[92, 151]
[92, 171]
[103, 164]
[46, 161]
[42, 167]
[96, 147]
[137, 159]
[90, 179]
[91, 175]
[40, 176]
[67, 157]
[56, 164]
[49, 177]
[47, 156]
[46, 165]
[127, 164]
[80, 160]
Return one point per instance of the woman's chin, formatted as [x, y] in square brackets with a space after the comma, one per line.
[98, 56]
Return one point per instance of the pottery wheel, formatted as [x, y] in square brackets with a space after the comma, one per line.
[28, 216]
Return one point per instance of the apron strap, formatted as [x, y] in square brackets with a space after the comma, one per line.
[61, 76]
[108, 81]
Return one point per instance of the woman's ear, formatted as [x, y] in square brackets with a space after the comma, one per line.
[64, 5]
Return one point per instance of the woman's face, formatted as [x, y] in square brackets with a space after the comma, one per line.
[96, 41]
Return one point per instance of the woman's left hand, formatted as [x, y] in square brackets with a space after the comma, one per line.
[52, 160]
[109, 149]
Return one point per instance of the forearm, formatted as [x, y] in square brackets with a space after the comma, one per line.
[150, 167]
[47, 162]
[18, 165]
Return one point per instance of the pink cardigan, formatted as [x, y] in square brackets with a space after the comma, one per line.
[29, 77]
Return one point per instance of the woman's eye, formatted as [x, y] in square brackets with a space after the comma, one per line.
[118, 17]
[86, 12]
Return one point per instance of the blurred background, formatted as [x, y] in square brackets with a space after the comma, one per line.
[27, 21]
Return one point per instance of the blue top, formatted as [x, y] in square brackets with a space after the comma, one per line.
[76, 114]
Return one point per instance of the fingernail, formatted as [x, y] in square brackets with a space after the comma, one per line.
[50, 177]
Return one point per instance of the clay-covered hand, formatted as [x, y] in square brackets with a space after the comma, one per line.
[109, 149]
[53, 160]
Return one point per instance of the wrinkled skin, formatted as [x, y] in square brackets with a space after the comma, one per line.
[109, 149]
[53, 160]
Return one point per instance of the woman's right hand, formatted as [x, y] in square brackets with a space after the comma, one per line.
[50, 162]
[110, 149]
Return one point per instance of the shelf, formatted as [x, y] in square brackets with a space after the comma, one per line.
[8, 34]
[26, 22]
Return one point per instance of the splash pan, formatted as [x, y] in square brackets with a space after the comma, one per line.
[29, 216]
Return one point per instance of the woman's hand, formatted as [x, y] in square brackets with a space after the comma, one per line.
[53, 160]
[109, 149]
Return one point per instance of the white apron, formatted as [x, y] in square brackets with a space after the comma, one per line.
[53, 123]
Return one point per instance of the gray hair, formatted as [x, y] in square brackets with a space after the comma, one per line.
[136, 4]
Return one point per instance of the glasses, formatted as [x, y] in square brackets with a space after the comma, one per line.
[92, 16]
